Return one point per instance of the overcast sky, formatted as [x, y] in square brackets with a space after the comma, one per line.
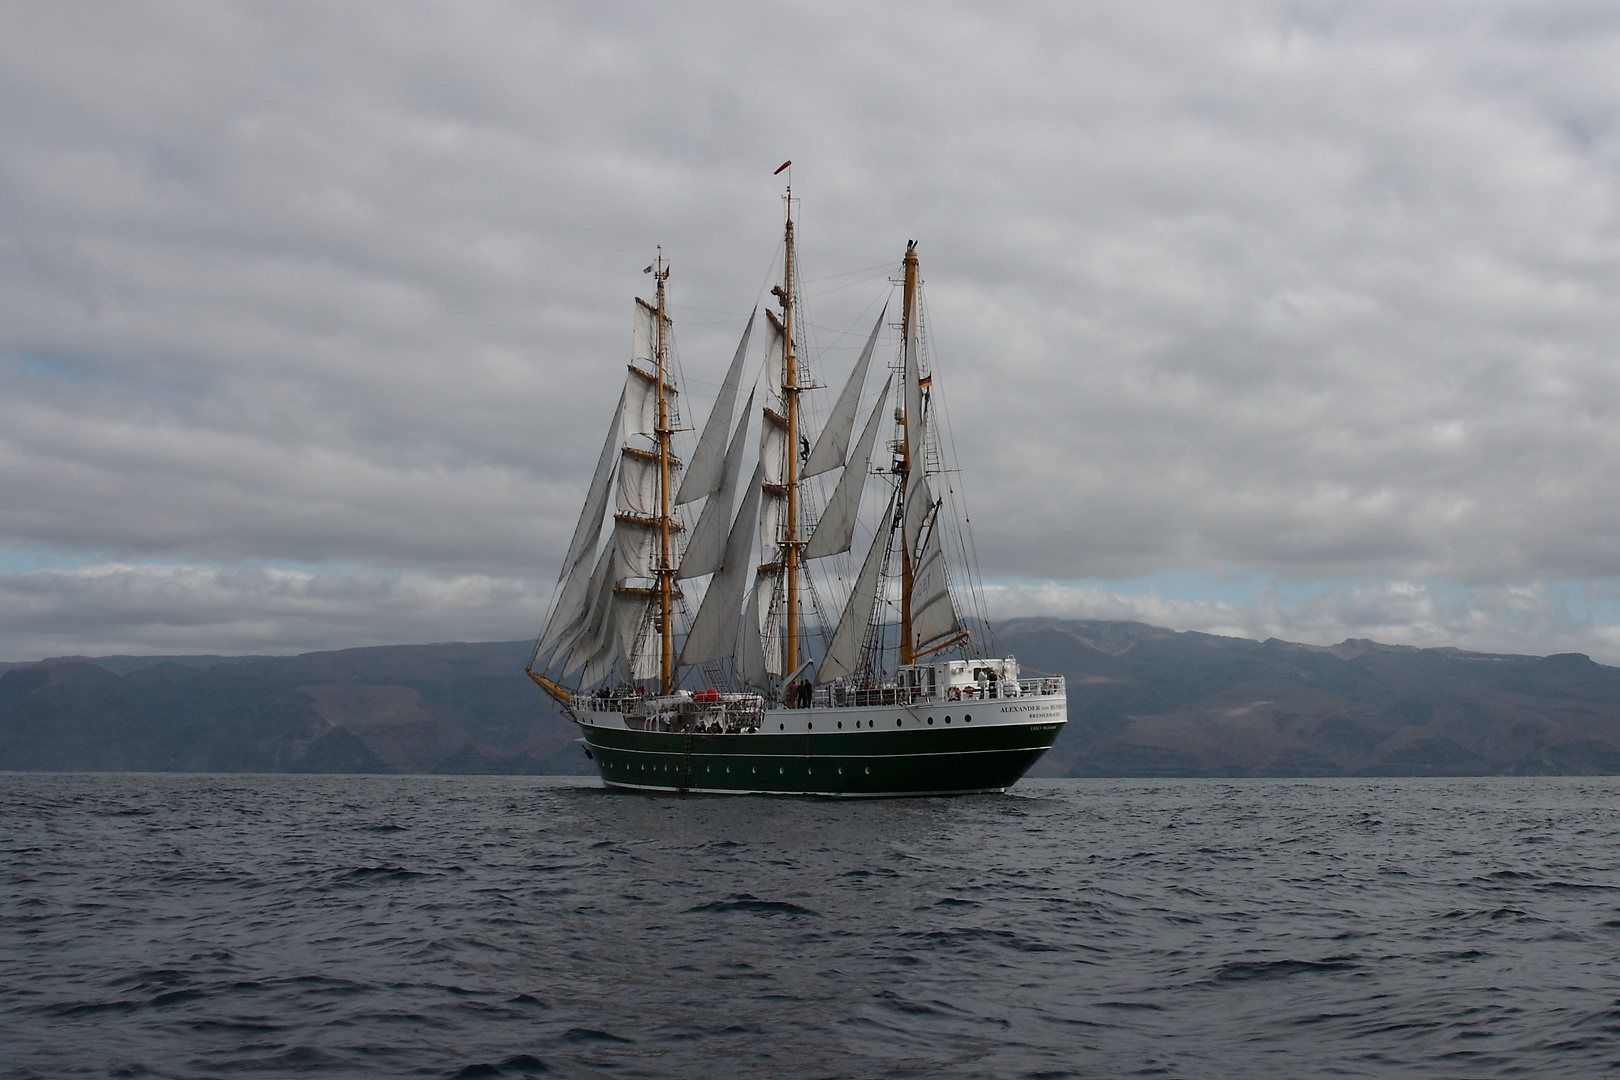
[1272, 319]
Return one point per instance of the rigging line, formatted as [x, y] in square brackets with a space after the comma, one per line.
[970, 548]
[885, 267]
[841, 288]
[709, 311]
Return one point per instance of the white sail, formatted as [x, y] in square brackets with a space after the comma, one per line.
[844, 651]
[636, 544]
[704, 473]
[832, 446]
[919, 505]
[638, 484]
[773, 448]
[571, 599]
[714, 631]
[641, 403]
[644, 337]
[775, 354]
[587, 636]
[707, 545]
[751, 666]
[933, 617]
[836, 529]
[772, 522]
[639, 642]
[600, 665]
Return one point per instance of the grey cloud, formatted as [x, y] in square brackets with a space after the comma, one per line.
[122, 609]
[1312, 289]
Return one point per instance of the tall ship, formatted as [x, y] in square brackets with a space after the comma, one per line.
[704, 658]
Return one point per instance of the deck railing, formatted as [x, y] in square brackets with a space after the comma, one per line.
[742, 714]
[836, 697]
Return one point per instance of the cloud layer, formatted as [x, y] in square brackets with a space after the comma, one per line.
[1319, 292]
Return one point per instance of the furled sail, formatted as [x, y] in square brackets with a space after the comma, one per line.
[571, 600]
[836, 529]
[714, 631]
[933, 617]
[707, 545]
[832, 445]
[704, 474]
[844, 651]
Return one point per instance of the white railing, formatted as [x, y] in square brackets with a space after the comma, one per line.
[847, 696]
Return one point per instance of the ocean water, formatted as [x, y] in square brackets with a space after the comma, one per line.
[279, 926]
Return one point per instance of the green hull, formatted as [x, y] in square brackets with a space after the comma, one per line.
[867, 764]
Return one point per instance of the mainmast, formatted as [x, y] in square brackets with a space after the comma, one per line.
[666, 562]
[908, 325]
[790, 399]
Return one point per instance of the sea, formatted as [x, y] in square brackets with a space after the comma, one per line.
[194, 926]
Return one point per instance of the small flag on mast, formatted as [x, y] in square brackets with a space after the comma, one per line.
[780, 167]
[926, 381]
[648, 270]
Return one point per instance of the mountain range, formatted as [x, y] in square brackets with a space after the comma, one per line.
[1143, 701]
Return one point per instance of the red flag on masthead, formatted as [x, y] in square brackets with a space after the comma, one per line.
[780, 167]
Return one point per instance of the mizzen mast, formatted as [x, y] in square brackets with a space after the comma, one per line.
[908, 453]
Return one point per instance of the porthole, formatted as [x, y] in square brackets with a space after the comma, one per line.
[947, 719]
[807, 727]
[930, 719]
[897, 721]
[869, 770]
[968, 719]
[781, 727]
[840, 724]
[781, 768]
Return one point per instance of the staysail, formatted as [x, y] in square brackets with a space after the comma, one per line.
[571, 599]
[844, 651]
[836, 530]
[833, 443]
[707, 545]
[714, 631]
[704, 474]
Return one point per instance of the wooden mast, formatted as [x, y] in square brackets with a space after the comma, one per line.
[908, 454]
[666, 565]
[790, 399]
